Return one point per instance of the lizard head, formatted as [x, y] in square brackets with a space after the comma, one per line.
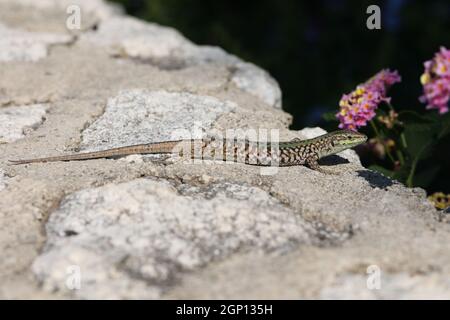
[346, 139]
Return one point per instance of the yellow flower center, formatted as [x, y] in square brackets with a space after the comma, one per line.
[360, 90]
[425, 78]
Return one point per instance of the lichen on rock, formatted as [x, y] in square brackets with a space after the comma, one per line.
[148, 230]
[143, 116]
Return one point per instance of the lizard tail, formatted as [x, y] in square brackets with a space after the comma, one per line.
[155, 148]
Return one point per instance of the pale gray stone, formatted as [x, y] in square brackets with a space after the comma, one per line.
[258, 82]
[3, 179]
[190, 229]
[391, 286]
[168, 49]
[137, 39]
[18, 45]
[16, 121]
[99, 8]
[149, 230]
[143, 116]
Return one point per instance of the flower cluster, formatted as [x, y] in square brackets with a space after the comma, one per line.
[389, 120]
[359, 106]
[378, 147]
[440, 200]
[436, 81]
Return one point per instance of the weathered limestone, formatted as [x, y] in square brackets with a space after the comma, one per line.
[140, 116]
[168, 49]
[15, 121]
[152, 227]
[151, 230]
[18, 45]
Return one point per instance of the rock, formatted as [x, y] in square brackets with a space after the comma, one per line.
[142, 116]
[391, 286]
[151, 231]
[256, 81]
[3, 179]
[16, 121]
[144, 227]
[99, 8]
[168, 49]
[18, 45]
[131, 37]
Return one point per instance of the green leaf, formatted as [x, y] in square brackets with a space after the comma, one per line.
[381, 112]
[399, 175]
[445, 122]
[420, 139]
[420, 133]
[380, 169]
[414, 117]
[329, 116]
[426, 176]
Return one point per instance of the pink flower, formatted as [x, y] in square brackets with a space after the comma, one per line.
[436, 81]
[359, 106]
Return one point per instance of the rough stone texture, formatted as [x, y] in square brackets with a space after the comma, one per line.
[99, 8]
[3, 179]
[148, 230]
[257, 82]
[16, 121]
[398, 286]
[158, 228]
[18, 45]
[140, 116]
[168, 49]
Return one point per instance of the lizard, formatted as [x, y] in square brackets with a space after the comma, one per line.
[287, 153]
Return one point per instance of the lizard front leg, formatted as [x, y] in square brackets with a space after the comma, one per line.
[313, 164]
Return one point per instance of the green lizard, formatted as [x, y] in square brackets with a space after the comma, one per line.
[288, 153]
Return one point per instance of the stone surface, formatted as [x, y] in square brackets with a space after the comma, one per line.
[151, 231]
[16, 121]
[99, 8]
[258, 82]
[3, 179]
[168, 49]
[140, 227]
[396, 286]
[140, 116]
[18, 45]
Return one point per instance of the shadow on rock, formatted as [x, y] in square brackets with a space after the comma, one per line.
[375, 179]
[332, 160]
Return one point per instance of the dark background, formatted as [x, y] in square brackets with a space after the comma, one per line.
[318, 50]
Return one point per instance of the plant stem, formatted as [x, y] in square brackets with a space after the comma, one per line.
[409, 181]
[390, 106]
[380, 138]
[403, 139]
[400, 157]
